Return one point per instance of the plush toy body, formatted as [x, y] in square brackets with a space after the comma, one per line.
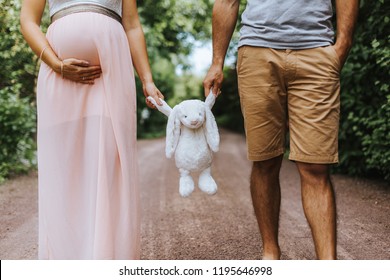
[192, 136]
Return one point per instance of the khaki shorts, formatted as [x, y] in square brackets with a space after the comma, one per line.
[290, 90]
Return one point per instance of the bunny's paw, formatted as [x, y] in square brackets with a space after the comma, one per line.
[186, 186]
[207, 184]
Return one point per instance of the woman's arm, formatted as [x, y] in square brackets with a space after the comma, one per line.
[73, 69]
[30, 21]
[132, 25]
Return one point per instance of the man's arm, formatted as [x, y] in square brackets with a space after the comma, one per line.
[225, 13]
[346, 16]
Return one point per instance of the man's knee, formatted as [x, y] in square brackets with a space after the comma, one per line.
[268, 167]
[313, 172]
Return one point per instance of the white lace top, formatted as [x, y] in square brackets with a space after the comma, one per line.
[58, 5]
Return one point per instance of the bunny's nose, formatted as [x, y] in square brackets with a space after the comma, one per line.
[194, 122]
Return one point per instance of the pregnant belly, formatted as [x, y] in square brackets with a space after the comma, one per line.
[71, 38]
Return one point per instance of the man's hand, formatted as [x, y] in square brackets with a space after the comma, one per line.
[342, 51]
[213, 80]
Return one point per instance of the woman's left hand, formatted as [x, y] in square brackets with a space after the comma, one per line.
[150, 89]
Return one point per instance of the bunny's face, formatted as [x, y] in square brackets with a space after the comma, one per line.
[192, 113]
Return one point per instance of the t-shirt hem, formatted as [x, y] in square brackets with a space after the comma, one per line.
[284, 46]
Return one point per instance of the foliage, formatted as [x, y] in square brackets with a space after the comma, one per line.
[168, 24]
[17, 60]
[17, 110]
[365, 100]
[17, 126]
[228, 110]
[187, 87]
[170, 27]
[150, 122]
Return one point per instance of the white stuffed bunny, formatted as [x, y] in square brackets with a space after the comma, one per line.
[192, 135]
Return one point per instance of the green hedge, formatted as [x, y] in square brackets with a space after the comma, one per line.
[17, 108]
[365, 98]
[17, 126]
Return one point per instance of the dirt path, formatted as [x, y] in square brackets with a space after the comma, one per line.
[222, 226]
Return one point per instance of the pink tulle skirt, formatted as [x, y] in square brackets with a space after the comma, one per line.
[87, 158]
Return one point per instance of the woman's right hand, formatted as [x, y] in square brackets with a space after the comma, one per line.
[80, 71]
[150, 89]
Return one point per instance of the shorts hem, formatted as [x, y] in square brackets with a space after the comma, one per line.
[265, 156]
[315, 159]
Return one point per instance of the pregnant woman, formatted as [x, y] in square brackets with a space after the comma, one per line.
[87, 159]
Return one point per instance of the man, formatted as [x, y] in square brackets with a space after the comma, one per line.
[288, 73]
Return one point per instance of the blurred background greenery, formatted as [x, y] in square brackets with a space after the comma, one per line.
[171, 28]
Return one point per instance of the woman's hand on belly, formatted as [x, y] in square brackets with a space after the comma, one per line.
[80, 71]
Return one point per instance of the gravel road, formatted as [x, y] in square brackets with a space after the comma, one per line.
[222, 226]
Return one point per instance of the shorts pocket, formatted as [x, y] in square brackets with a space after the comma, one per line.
[240, 58]
[335, 56]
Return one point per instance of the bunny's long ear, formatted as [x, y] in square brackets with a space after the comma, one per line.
[211, 128]
[165, 108]
[210, 100]
[173, 132]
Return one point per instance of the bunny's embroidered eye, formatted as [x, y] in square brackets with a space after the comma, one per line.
[185, 116]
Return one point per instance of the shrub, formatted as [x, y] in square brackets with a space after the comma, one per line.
[17, 126]
[17, 109]
[365, 100]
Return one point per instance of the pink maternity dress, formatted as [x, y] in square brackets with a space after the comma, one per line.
[87, 158]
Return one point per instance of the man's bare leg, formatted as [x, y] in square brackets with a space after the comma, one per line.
[319, 207]
[265, 191]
